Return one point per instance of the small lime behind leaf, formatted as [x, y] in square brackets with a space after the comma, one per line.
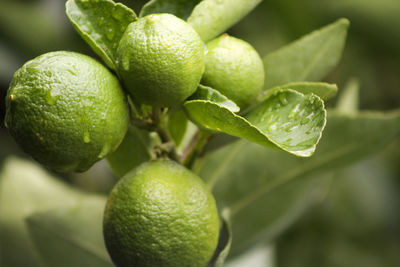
[66, 110]
[234, 68]
[161, 214]
[160, 59]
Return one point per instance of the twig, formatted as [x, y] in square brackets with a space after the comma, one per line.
[196, 147]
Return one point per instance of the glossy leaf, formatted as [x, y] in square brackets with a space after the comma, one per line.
[287, 120]
[310, 58]
[213, 17]
[264, 188]
[101, 24]
[177, 125]
[25, 188]
[324, 90]
[71, 236]
[180, 8]
[349, 98]
[224, 243]
[260, 255]
[210, 94]
[134, 150]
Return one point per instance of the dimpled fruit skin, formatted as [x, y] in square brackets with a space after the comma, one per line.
[66, 110]
[160, 59]
[161, 215]
[234, 68]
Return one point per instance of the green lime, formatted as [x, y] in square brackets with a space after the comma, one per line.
[161, 215]
[160, 59]
[66, 110]
[234, 68]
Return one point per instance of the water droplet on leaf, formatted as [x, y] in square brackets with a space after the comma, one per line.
[283, 99]
[110, 34]
[272, 127]
[290, 128]
[304, 120]
[100, 21]
[117, 13]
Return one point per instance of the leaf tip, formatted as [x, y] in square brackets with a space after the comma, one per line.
[344, 21]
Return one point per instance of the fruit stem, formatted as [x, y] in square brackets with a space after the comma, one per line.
[160, 120]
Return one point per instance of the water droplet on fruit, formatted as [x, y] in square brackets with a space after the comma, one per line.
[34, 70]
[104, 151]
[50, 100]
[72, 72]
[86, 137]
[125, 63]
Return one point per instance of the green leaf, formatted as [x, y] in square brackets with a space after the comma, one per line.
[283, 206]
[180, 8]
[177, 125]
[349, 98]
[101, 24]
[212, 17]
[264, 188]
[134, 150]
[30, 29]
[71, 236]
[259, 255]
[287, 120]
[324, 90]
[361, 203]
[310, 58]
[208, 93]
[224, 242]
[25, 188]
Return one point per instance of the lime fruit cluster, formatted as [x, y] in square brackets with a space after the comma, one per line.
[234, 68]
[160, 59]
[66, 110]
[161, 214]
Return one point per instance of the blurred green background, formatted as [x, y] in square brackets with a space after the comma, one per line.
[357, 222]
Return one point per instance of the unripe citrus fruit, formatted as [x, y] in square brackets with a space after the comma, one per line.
[160, 59]
[161, 215]
[66, 110]
[234, 68]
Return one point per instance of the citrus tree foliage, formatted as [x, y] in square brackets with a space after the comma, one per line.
[264, 163]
